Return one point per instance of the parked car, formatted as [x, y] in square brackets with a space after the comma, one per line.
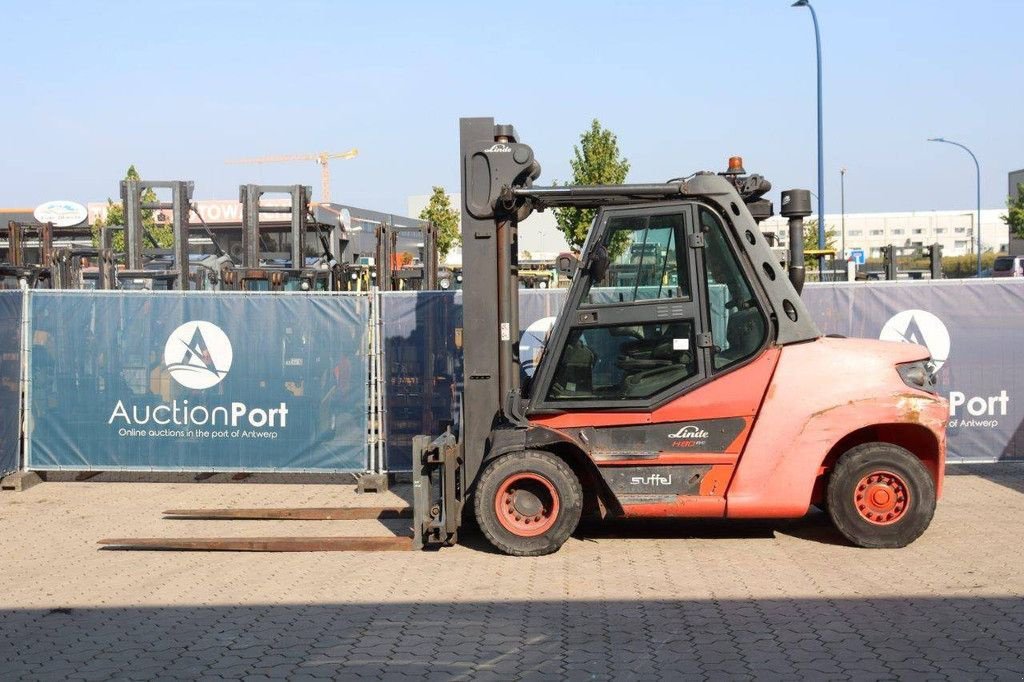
[1008, 266]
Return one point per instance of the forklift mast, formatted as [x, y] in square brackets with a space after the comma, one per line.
[492, 162]
[132, 193]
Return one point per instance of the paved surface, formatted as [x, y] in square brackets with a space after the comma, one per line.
[673, 601]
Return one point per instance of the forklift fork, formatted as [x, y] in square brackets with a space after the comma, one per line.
[435, 514]
[437, 490]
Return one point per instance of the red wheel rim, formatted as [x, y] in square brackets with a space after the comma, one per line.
[526, 504]
[881, 498]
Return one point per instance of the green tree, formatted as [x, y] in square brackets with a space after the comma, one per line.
[596, 161]
[162, 234]
[811, 241]
[445, 219]
[1014, 217]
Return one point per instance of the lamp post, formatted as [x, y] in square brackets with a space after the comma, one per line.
[977, 170]
[821, 153]
[842, 209]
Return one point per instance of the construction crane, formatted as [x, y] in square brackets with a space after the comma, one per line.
[322, 158]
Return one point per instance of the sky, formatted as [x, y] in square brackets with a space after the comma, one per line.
[177, 88]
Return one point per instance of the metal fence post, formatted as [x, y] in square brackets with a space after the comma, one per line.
[25, 392]
[371, 385]
[381, 387]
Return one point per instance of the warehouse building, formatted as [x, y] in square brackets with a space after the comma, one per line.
[956, 231]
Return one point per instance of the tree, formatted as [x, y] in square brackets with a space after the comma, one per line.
[445, 219]
[163, 235]
[596, 162]
[811, 241]
[1014, 217]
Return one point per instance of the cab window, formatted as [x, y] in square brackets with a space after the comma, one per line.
[647, 261]
[738, 326]
[624, 362]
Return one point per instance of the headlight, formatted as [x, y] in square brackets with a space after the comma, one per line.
[917, 375]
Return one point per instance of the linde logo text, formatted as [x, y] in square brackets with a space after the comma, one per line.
[500, 147]
[689, 431]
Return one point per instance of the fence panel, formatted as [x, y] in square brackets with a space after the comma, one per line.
[149, 381]
[971, 328]
[10, 379]
[422, 367]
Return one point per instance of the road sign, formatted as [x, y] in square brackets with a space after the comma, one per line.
[856, 255]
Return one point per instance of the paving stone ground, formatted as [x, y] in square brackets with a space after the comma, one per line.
[674, 600]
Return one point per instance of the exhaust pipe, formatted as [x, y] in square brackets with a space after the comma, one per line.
[796, 205]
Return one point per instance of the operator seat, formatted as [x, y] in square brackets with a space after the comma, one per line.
[744, 334]
[574, 375]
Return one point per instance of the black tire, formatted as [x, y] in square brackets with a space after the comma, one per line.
[559, 512]
[896, 475]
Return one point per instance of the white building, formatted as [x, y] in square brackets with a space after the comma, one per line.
[955, 230]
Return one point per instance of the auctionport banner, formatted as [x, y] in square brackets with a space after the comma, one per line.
[971, 327]
[147, 381]
[10, 379]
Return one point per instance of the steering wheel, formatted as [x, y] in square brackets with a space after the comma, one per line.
[740, 305]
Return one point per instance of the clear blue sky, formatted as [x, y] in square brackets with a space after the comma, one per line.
[90, 87]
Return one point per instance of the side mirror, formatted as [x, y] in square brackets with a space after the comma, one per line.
[567, 264]
[597, 264]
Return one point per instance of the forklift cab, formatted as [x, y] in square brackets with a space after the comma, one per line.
[671, 308]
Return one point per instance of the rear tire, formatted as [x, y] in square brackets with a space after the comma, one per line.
[528, 503]
[880, 496]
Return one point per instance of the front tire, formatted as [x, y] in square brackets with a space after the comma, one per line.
[880, 496]
[528, 503]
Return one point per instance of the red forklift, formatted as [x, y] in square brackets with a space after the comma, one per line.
[684, 378]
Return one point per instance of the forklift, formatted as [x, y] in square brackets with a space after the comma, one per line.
[700, 388]
[684, 378]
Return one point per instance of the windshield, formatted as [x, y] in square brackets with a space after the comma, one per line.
[648, 260]
[1002, 265]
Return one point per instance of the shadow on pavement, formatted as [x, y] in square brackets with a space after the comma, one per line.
[1007, 474]
[209, 478]
[815, 527]
[714, 638]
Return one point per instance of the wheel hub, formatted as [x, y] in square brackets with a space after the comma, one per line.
[882, 498]
[526, 504]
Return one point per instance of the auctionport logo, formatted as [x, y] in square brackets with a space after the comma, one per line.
[198, 354]
[922, 327]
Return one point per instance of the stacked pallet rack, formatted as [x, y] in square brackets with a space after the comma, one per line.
[261, 270]
[17, 271]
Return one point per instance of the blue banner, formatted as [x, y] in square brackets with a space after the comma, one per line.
[194, 381]
[970, 327]
[422, 367]
[10, 379]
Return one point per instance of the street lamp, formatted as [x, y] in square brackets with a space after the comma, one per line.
[842, 208]
[821, 152]
[977, 169]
